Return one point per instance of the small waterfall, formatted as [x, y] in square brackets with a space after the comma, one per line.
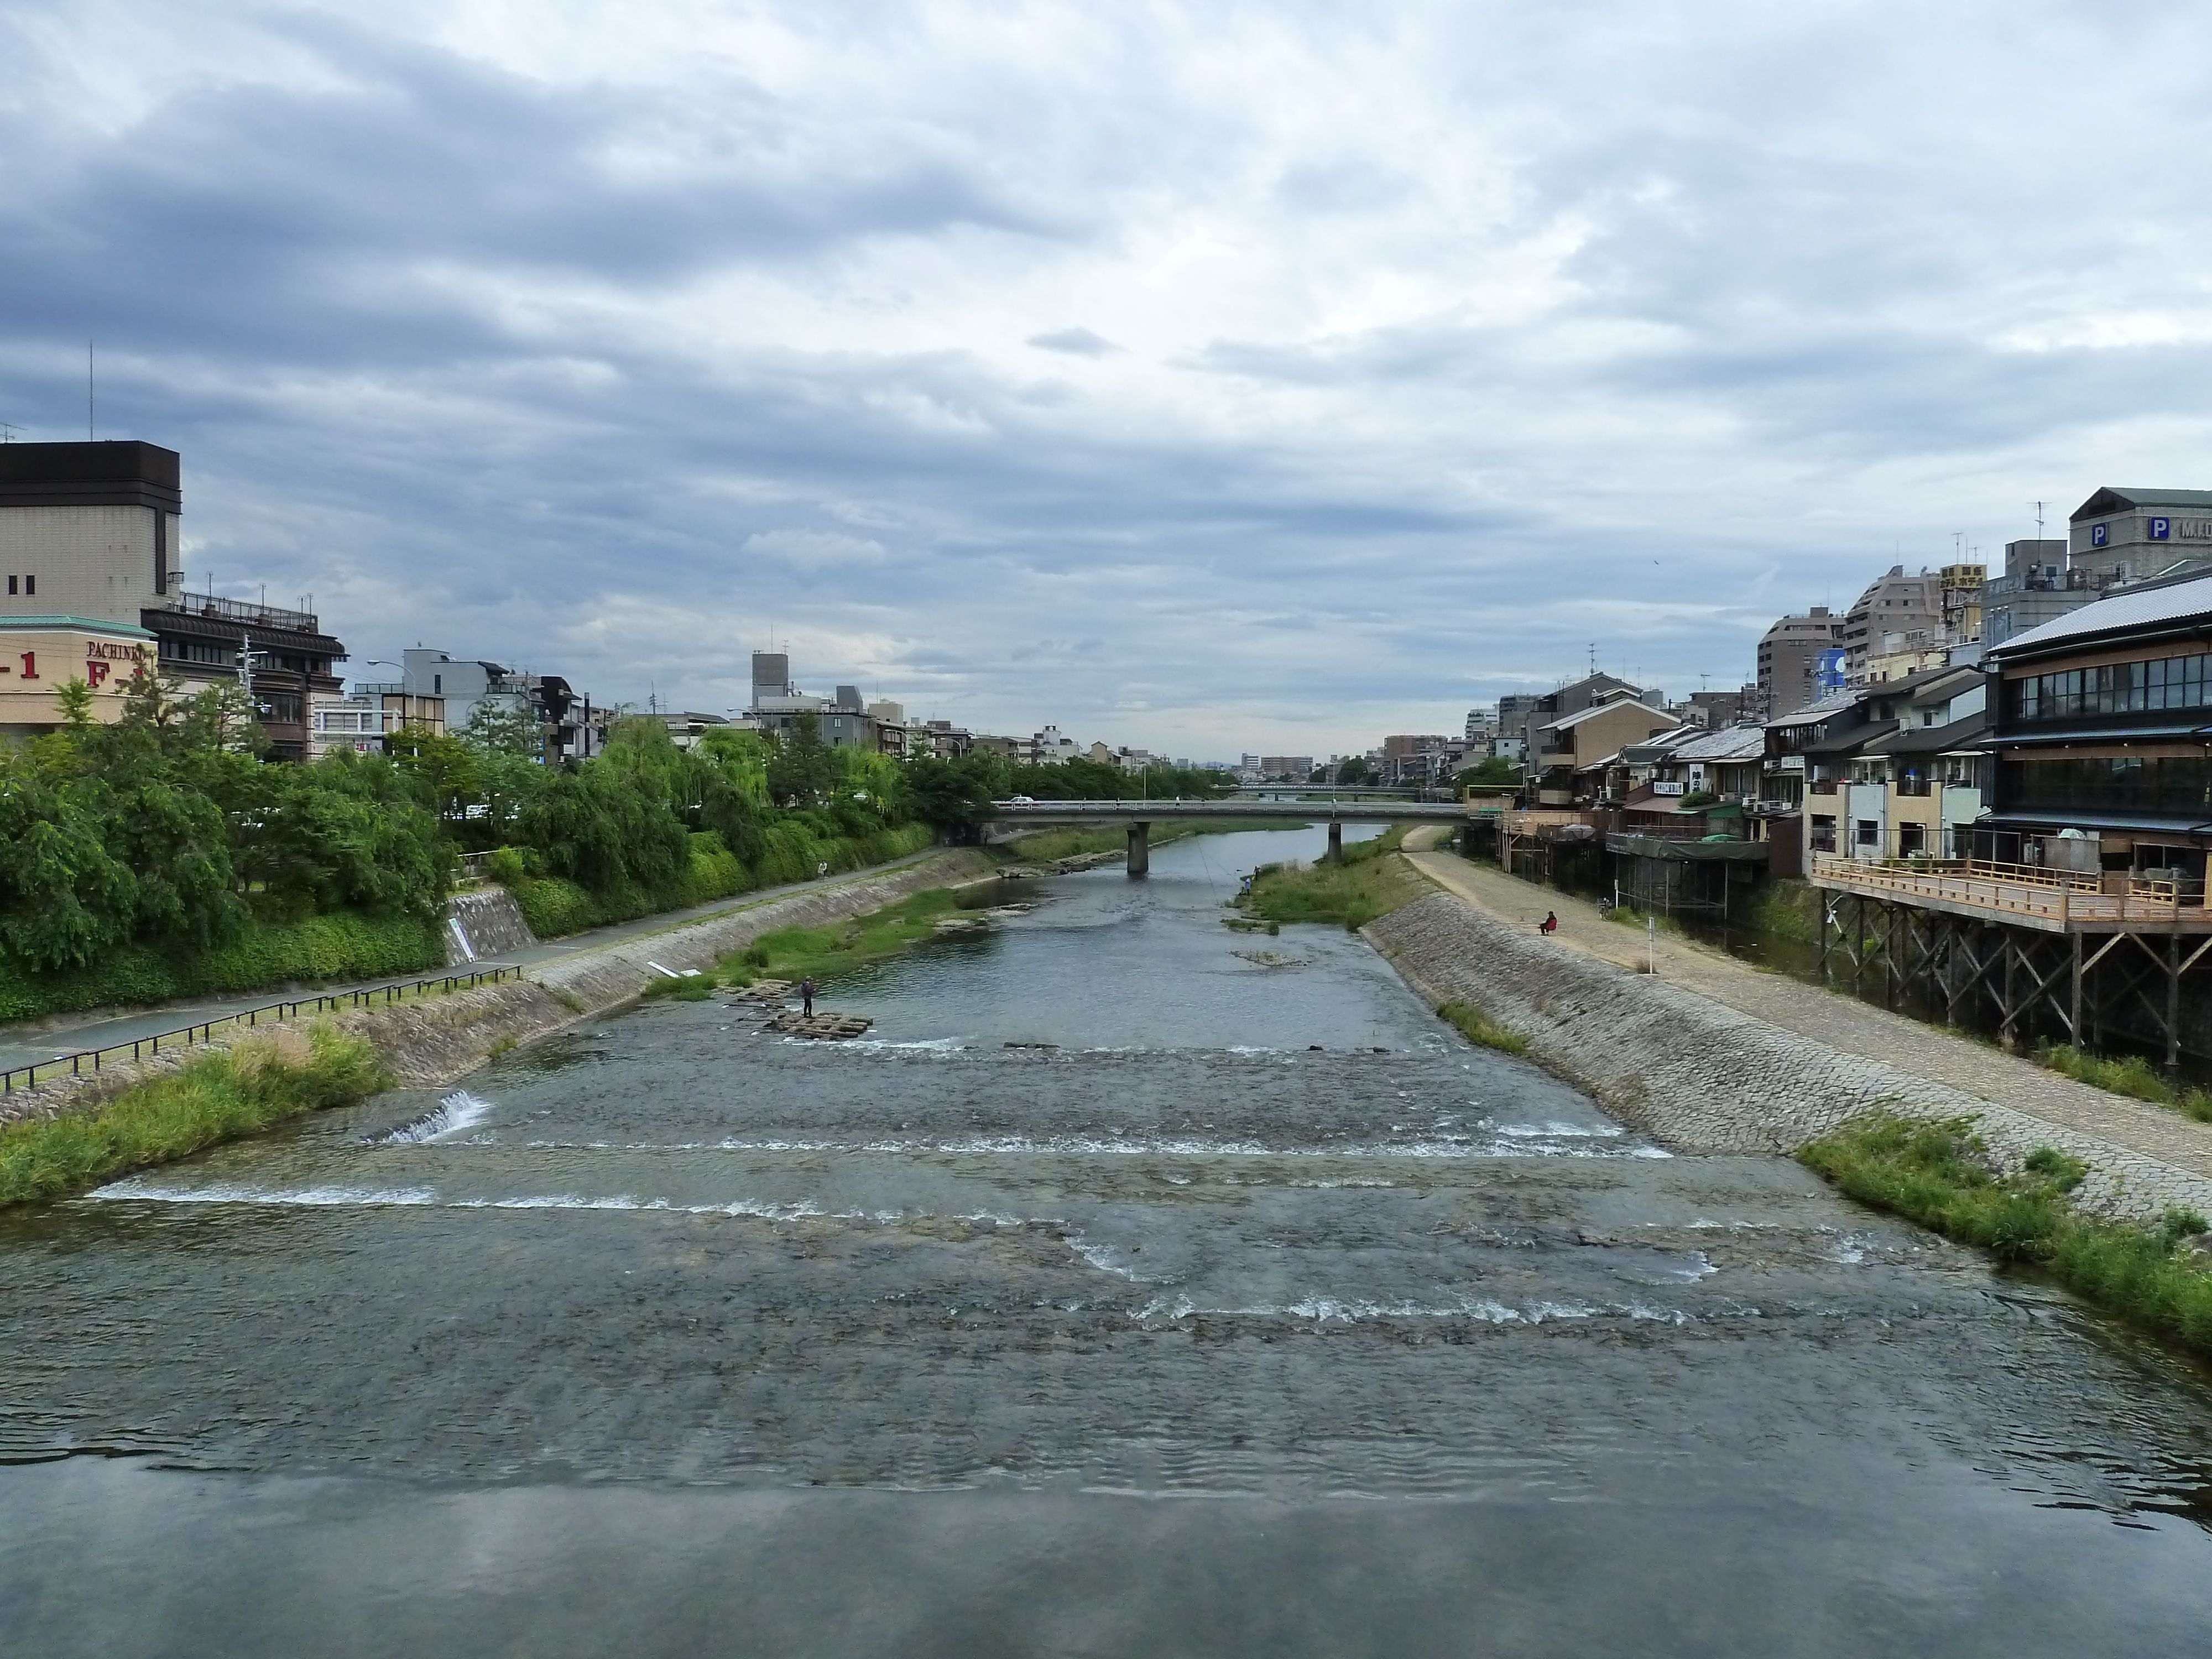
[456, 1112]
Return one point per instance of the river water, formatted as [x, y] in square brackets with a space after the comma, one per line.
[1121, 1294]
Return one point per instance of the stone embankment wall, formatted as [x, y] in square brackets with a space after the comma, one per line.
[482, 923]
[1703, 1078]
[438, 1039]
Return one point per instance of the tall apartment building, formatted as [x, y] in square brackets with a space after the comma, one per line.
[88, 544]
[1894, 603]
[1788, 660]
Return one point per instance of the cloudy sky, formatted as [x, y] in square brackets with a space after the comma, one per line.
[1210, 378]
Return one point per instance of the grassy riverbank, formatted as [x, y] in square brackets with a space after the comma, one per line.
[1935, 1174]
[1371, 882]
[214, 1097]
[822, 953]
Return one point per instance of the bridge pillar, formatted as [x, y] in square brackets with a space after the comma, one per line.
[1335, 841]
[1140, 849]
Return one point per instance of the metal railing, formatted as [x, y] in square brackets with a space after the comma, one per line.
[246, 611]
[24, 1077]
[2064, 896]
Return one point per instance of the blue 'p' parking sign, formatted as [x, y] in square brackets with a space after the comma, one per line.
[2100, 534]
[2162, 529]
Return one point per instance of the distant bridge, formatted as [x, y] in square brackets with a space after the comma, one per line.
[1140, 815]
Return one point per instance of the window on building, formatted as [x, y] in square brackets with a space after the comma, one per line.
[1867, 832]
[2170, 787]
[2114, 688]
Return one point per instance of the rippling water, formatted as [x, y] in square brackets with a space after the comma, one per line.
[1240, 1308]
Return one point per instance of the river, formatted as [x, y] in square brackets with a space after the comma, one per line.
[1137, 1286]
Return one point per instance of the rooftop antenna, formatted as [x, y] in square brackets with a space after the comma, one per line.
[7, 431]
[89, 407]
[1593, 656]
[2038, 519]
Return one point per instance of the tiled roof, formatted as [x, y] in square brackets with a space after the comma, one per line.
[2122, 610]
[1730, 743]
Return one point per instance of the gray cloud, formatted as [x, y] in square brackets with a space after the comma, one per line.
[1075, 342]
[1418, 355]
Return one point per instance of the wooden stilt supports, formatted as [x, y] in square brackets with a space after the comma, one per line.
[2174, 1002]
[2074, 1000]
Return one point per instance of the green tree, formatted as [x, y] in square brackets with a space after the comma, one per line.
[953, 794]
[1498, 769]
[447, 772]
[498, 727]
[802, 771]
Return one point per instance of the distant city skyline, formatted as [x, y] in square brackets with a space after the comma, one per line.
[1207, 381]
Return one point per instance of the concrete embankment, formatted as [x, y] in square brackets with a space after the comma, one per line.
[437, 1039]
[1700, 1076]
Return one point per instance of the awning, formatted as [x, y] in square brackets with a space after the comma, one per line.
[2197, 734]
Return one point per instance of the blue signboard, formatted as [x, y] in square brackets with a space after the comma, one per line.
[1827, 674]
[2100, 534]
[2162, 529]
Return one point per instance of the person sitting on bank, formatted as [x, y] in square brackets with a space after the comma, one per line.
[1549, 925]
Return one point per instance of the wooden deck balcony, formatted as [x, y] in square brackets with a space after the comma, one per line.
[1530, 821]
[2020, 894]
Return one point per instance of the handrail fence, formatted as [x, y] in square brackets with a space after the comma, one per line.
[276, 1012]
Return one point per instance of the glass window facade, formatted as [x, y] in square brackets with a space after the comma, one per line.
[2168, 788]
[2124, 688]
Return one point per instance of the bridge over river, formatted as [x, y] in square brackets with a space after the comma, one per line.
[1335, 810]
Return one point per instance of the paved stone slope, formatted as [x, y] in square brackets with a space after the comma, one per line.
[1839, 1021]
[1700, 1075]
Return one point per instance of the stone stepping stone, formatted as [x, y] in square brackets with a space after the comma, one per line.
[823, 1027]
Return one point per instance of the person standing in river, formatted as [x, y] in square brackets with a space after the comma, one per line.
[806, 995]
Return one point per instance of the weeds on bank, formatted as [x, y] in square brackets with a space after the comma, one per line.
[214, 1097]
[1939, 1176]
[1366, 884]
[1478, 1027]
[2133, 1076]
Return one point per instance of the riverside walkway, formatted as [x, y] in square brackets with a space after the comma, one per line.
[25, 1042]
[1839, 1022]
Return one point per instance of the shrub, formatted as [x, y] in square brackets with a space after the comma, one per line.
[553, 906]
[262, 956]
